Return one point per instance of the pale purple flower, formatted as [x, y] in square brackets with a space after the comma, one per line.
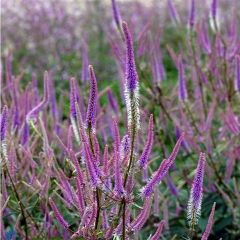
[162, 170]
[117, 167]
[142, 217]
[214, 8]
[148, 146]
[116, 14]
[182, 89]
[209, 224]
[112, 101]
[125, 146]
[58, 215]
[191, 16]
[3, 123]
[158, 232]
[195, 200]
[35, 111]
[237, 74]
[173, 12]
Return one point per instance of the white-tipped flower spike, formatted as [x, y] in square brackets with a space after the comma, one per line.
[73, 111]
[3, 130]
[31, 116]
[209, 224]
[131, 83]
[195, 200]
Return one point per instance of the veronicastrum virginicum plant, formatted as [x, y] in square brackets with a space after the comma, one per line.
[90, 175]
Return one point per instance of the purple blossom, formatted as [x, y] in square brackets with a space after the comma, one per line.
[173, 12]
[116, 14]
[148, 146]
[214, 8]
[195, 200]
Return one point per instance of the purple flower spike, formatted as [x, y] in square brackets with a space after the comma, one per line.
[214, 8]
[131, 83]
[148, 146]
[131, 72]
[58, 215]
[117, 169]
[162, 170]
[191, 17]
[173, 12]
[182, 90]
[195, 200]
[125, 146]
[92, 103]
[209, 224]
[3, 123]
[142, 217]
[116, 14]
[91, 167]
[112, 101]
[237, 75]
[35, 111]
[159, 230]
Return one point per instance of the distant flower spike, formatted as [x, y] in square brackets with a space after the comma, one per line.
[35, 111]
[195, 200]
[173, 12]
[182, 89]
[237, 74]
[3, 131]
[191, 17]
[214, 8]
[116, 14]
[148, 146]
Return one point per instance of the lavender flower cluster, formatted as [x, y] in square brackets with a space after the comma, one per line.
[95, 174]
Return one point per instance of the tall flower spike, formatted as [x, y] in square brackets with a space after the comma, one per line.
[209, 224]
[117, 169]
[148, 146]
[131, 83]
[159, 230]
[182, 90]
[195, 200]
[58, 215]
[142, 217]
[162, 170]
[92, 103]
[237, 74]
[191, 17]
[35, 111]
